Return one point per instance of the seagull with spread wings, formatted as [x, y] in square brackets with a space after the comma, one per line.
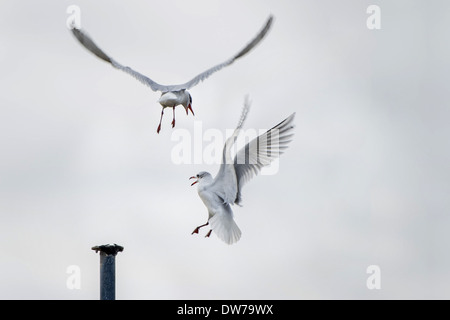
[219, 193]
[171, 95]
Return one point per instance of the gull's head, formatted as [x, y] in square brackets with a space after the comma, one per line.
[201, 177]
[187, 104]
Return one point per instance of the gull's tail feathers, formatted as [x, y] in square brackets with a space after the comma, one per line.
[224, 226]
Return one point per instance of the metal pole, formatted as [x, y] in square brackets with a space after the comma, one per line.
[108, 254]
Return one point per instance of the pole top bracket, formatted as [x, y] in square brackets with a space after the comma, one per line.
[108, 249]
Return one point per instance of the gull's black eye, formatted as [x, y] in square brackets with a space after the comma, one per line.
[198, 176]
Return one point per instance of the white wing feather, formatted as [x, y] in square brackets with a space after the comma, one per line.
[261, 151]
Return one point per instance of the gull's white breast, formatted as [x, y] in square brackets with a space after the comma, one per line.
[173, 98]
[210, 199]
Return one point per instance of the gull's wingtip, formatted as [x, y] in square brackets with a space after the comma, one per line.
[269, 22]
[290, 119]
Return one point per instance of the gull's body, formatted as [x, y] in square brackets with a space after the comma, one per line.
[172, 99]
[219, 193]
[171, 95]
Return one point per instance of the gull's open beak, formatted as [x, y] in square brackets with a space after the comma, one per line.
[194, 181]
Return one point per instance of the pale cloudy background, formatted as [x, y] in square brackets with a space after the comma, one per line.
[365, 182]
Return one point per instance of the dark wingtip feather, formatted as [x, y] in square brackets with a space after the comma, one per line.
[89, 44]
[257, 39]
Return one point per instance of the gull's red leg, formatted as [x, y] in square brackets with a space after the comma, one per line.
[173, 121]
[190, 108]
[208, 234]
[198, 228]
[159, 127]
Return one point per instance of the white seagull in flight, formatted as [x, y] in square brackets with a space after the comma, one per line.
[225, 189]
[171, 95]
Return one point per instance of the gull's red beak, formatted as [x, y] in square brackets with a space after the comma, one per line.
[189, 108]
[194, 181]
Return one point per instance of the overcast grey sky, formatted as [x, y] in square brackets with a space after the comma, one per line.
[365, 181]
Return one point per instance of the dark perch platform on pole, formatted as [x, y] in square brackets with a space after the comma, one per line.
[108, 254]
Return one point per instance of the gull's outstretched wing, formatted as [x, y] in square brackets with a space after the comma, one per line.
[225, 184]
[261, 151]
[89, 44]
[202, 76]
